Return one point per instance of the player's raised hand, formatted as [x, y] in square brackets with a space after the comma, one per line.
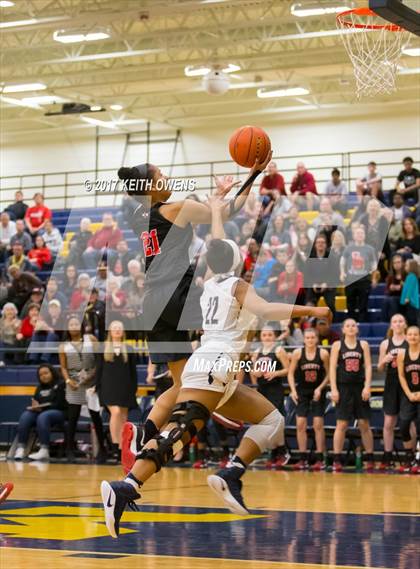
[261, 165]
[216, 202]
[224, 184]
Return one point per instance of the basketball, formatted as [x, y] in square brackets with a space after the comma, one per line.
[247, 144]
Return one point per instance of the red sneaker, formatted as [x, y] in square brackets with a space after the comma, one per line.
[415, 468]
[370, 466]
[270, 464]
[337, 467]
[200, 464]
[301, 465]
[5, 490]
[282, 460]
[128, 446]
[319, 465]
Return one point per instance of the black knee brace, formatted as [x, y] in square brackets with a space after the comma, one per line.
[184, 415]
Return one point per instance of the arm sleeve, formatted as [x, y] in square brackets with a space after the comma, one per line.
[99, 370]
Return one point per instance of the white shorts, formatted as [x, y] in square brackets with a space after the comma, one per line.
[210, 372]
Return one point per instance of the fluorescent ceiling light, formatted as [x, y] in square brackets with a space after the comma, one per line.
[18, 102]
[116, 107]
[44, 100]
[111, 55]
[95, 108]
[17, 23]
[317, 9]
[97, 122]
[23, 87]
[191, 71]
[412, 51]
[288, 92]
[64, 36]
[6, 3]
[231, 68]
[408, 70]
[320, 34]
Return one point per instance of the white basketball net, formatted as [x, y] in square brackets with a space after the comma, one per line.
[374, 47]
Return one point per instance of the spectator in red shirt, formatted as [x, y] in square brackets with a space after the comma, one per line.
[26, 331]
[273, 180]
[290, 285]
[103, 243]
[36, 216]
[81, 294]
[304, 187]
[40, 254]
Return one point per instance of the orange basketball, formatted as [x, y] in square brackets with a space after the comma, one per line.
[247, 144]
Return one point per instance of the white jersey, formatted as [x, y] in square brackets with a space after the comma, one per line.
[225, 323]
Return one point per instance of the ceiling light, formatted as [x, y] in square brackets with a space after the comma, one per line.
[191, 71]
[18, 102]
[231, 68]
[23, 87]
[288, 92]
[110, 55]
[16, 23]
[44, 100]
[95, 108]
[116, 107]
[6, 3]
[68, 36]
[302, 10]
[408, 70]
[412, 51]
[320, 34]
[97, 122]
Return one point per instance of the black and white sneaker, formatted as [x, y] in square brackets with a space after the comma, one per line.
[115, 497]
[227, 486]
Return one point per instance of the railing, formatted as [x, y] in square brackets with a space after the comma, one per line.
[61, 188]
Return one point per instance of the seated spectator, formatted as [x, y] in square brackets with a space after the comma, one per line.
[252, 208]
[40, 254]
[196, 249]
[103, 243]
[302, 251]
[318, 276]
[371, 183]
[281, 206]
[299, 226]
[250, 250]
[357, 263]
[135, 294]
[281, 256]
[134, 270]
[79, 242]
[21, 285]
[9, 327]
[94, 318]
[26, 331]
[18, 208]
[393, 287]
[48, 331]
[69, 282]
[232, 230]
[399, 210]
[290, 285]
[115, 299]
[127, 208]
[36, 297]
[290, 333]
[303, 185]
[247, 231]
[52, 237]
[409, 244]
[36, 215]
[48, 408]
[276, 233]
[52, 292]
[410, 299]
[19, 259]
[408, 182]
[376, 231]
[262, 272]
[119, 263]
[327, 216]
[21, 237]
[81, 293]
[99, 281]
[7, 230]
[336, 190]
[273, 180]
[327, 336]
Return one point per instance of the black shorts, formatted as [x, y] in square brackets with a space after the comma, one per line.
[306, 405]
[351, 404]
[409, 410]
[274, 392]
[392, 396]
[169, 338]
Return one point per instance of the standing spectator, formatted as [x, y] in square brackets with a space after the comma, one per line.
[116, 381]
[7, 230]
[81, 294]
[290, 284]
[19, 259]
[350, 377]
[336, 190]
[40, 255]
[303, 185]
[393, 288]
[270, 383]
[318, 276]
[69, 282]
[36, 215]
[408, 182]
[21, 237]
[79, 242]
[21, 286]
[47, 333]
[371, 183]
[273, 180]
[52, 237]
[48, 408]
[376, 231]
[119, 263]
[17, 209]
[77, 362]
[94, 318]
[410, 241]
[9, 327]
[410, 300]
[103, 243]
[357, 262]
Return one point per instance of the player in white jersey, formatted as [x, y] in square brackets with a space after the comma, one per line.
[228, 304]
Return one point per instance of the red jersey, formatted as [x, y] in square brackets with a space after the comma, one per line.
[37, 214]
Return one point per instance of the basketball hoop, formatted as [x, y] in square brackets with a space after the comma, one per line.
[374, 47]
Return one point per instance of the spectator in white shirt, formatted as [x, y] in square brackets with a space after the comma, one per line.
[52, 237]
[336, 190]
[371, 183]
[7, 230]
